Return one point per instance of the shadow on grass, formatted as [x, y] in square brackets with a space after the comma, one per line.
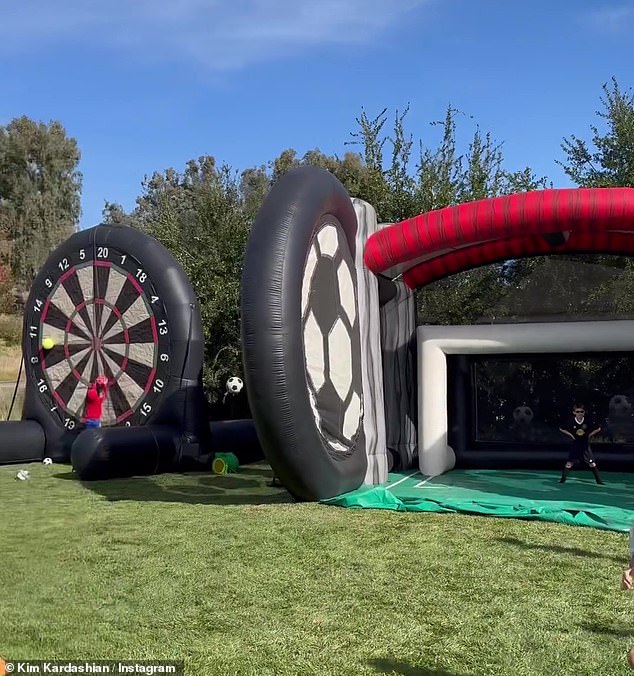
[251, 485]
[558, 549]
[619, 632]
[391, 666]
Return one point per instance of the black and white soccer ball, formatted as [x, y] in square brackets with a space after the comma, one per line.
[523, 415]
[620, 406]
[234, 385]
[47, 461]
[330, 326]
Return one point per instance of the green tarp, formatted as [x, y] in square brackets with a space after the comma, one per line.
[519, 494]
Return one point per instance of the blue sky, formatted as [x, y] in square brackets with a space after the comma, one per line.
[143, 89]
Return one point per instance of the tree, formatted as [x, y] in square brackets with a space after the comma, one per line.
[203, 215]
[114, 214]
[611, 162]
[40, 189]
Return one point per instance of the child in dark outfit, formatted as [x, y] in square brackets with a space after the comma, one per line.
[580, 430]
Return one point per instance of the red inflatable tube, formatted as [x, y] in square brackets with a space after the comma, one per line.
[517, 219]
[620, 243]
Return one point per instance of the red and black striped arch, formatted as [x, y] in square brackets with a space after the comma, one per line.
[443, 242]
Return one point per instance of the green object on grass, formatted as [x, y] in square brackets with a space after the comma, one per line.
[519, 494]
[225, 463]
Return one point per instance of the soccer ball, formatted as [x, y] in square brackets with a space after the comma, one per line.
[523, 415]
[234, 385]
[47, 461]
[620, 406]
[330, 327]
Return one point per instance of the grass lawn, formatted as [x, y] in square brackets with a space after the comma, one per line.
[230, 575]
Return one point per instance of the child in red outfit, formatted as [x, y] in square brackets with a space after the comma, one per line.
[94, 401]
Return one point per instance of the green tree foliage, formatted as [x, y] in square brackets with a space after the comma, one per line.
[203, 214]
[610, 162]
[576, 286]
[40, 190]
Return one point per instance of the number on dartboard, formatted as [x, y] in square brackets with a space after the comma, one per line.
[140, 275]
[158, 385]
[48, 283]
[69, 423]
[123, 257]
[63, 265]
[82, 254]
[33, 332]
[37, 307]
[162, 327]
[34, 360]
[102, 252]
[42, 386]
[146, 409]
[164, 357]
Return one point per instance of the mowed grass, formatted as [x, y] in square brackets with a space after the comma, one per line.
[231, 576]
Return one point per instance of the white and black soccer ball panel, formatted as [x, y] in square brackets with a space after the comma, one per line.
[523, 415]
[331, 338]
[620, 406]
[234, 385]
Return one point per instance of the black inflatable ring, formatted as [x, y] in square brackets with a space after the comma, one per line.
[294, 431]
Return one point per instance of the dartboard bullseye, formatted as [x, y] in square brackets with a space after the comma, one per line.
[103, 315]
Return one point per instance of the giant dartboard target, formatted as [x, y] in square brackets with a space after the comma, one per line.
[300, 335]
[114, 302]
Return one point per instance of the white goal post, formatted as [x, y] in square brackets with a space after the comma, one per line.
[435, 456]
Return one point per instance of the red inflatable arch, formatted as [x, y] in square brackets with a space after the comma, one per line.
[443, 242]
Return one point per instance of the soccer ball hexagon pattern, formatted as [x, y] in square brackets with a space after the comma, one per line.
[234, 385]
[620, 406]
[523, 415]
[331, 338]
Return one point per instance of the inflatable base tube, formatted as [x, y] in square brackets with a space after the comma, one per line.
[109, 453]
[238, 437]
[21, 441]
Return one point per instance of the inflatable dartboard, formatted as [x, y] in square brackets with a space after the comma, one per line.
[111, 301]
[300, 335]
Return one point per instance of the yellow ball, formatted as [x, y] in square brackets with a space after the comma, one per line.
[48, 343]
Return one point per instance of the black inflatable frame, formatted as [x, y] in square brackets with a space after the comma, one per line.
[181, 407]
[275, 374]
[474, 454]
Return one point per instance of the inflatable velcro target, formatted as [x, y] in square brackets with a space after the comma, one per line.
[301, 335]
[112, 301]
